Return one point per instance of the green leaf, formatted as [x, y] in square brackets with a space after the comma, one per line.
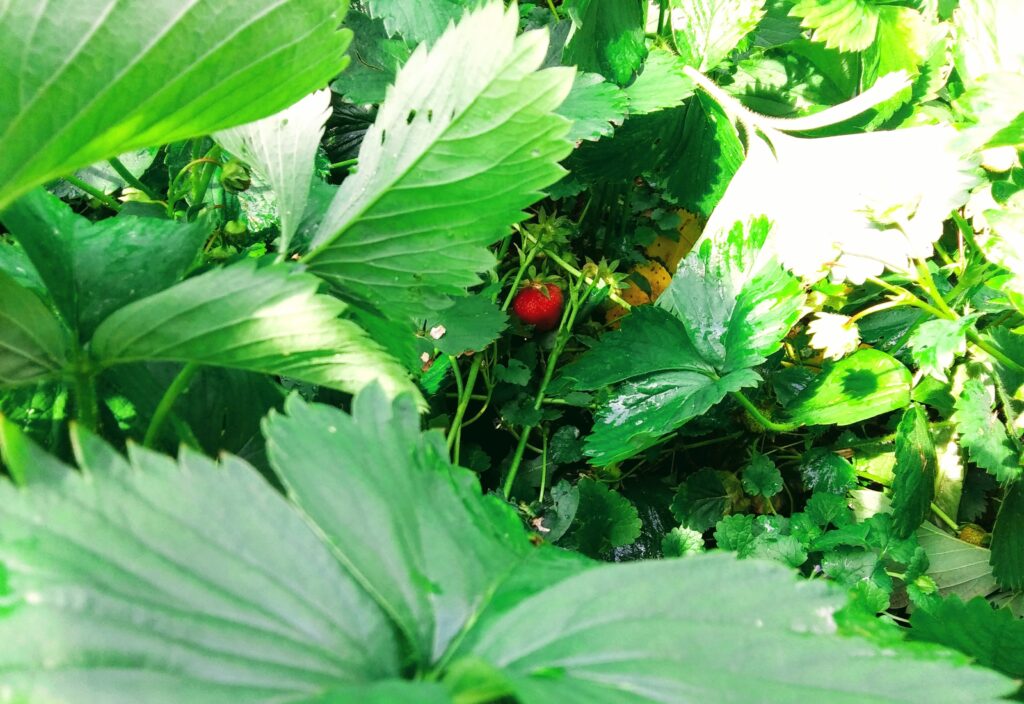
[588, 640]
[957, 567]
[712, 152]
[447, 167]
[376, 60]
[89, 80]
[866, 384]
[706, 31]
[825, 471]
[609, 38]
[421, 21]
[846, 25]
[161, 581]
[736, 301]
[902, 43]
[983, 434]
[91, 269]
[993, 637]
[604, 520]
[643, 411]
[761, 477]
[701, 500]
[1008, 540]
[736, 533]
[680, 542]
[661, 84]
[386, 692]
[269, 320]
[407, 524]
[913, 486]
[595, 107]
[469, 324]
[281, 149]
[935, 344]
[33, 343]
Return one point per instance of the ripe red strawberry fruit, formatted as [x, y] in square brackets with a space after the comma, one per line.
[539, 304]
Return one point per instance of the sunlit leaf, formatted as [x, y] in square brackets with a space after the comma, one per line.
[866, 384]
[83, 81]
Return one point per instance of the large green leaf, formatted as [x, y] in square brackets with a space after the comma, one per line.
[588, 640]
[93, 268]
[268, 320]
[913, 486]
[163, 581]
[1008, 539]
[33, 343]
[84, 80]
[608, 38]
[866, 384]
[992, 637]
[409, 526]
[728, 307]
[281, 149]
[735, 299]
[957, 567]
[706, 31]
[465, 140]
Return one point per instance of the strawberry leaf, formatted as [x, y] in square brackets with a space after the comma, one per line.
[847, 25]
[33, 343]
[1008, 540]
[706, 31]
[466, 138]
[87, 81]
[983, 435]
[913, 486]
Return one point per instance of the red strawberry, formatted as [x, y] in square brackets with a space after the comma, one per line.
[539, 304]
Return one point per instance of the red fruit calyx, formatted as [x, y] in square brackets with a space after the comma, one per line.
[540, 305]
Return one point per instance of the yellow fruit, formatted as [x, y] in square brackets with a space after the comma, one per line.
[657, 276]
[672, 251]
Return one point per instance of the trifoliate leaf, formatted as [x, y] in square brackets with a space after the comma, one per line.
[884, 195]
[706, 31]
[983, 434]
[469, 324]
[865, 384]
[446, 169]
[1008, 539]
[847, 25]
[993, 637]
[281, 149]
[604, 520]
[935, 344]
[913, 486]
[833, 334]
[761, 477]
[680, 542]
[701, 500]
[595, 106]
[608, 39]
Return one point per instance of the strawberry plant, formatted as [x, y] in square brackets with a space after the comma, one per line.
[477, 351]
